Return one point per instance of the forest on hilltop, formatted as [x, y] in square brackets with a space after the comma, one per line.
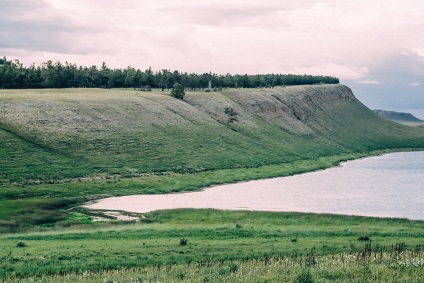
[13, 75]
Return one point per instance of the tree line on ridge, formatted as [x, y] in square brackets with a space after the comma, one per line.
[13, 75]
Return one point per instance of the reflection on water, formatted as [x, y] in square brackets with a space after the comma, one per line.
[387, 186]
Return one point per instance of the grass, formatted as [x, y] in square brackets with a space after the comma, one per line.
[343, 268]
[67, 134]
[214, 243]
[22, 214]
[22, 205]
[79, 143]
[63, 147]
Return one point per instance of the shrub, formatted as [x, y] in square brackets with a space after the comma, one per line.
[183, 241]
[233, 268]
[180, 275]
[363, 238]
[304, 277]
[232, 115]
[399, 248]
[178, 91]
[21, 244]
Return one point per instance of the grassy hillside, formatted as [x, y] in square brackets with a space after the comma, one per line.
[56, 134]
[400, 117]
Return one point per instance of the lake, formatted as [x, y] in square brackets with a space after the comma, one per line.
[390, 185]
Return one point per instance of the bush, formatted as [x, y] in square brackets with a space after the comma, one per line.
[178, 91]
[183, 241]
[399, 248]
[233, 268]
[21, 244]
[232, 115]
[363, 238]
[304, 277]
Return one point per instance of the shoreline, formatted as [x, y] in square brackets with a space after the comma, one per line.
[130, 203]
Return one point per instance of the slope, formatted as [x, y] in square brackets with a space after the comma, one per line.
[400, 117]
[54, 134]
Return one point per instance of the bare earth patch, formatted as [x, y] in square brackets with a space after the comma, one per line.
[117, 215]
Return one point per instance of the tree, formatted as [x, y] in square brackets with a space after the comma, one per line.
[178, 91]
[232, 115]
[57, 75]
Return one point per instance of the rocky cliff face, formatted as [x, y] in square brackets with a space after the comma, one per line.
[294, 108]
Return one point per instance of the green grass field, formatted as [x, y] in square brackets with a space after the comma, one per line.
[63, 147]
[220, 245]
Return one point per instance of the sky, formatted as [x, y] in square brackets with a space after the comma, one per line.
[375, 47]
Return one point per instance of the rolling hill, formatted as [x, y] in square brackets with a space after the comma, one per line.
[400, 117]
[73, 133]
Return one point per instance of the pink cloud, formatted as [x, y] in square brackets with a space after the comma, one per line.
[369, 82]
[340, 38]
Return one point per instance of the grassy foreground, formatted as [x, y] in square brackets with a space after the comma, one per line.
[221, 246]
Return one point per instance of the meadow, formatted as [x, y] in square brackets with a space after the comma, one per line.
[220, 246]
[61, 148]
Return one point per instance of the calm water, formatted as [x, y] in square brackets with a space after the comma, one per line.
[391, 185]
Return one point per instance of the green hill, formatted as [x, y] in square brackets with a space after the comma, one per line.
[400, 117]
[54, 134]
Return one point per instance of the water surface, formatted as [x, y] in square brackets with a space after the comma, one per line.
[385, 186]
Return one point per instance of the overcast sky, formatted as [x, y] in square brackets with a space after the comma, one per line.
[374, 47]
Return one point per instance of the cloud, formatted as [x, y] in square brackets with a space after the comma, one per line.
[369, 82]
[37, 26]
[414, 84]
[405, 68]
[419, 51]
[341, 71]
[350, 40]
[220, 14]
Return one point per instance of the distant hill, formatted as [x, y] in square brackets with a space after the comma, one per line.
[400, 117]
[71, 133]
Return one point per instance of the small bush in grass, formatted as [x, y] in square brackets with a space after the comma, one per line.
[363, 238]
[239, 226]
[233, 268]
[180, 275]
[399, 248]
[21, 244]
[304, 277]
[183, 241]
